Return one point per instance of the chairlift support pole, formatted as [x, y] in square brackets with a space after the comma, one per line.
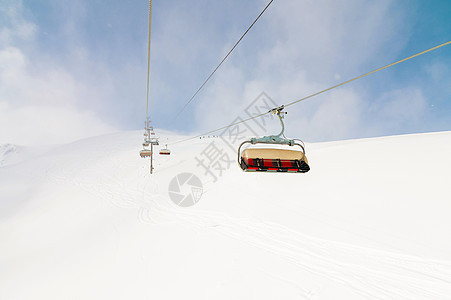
[149, 129]
[149, 140]
[154, 141]
[151, 157]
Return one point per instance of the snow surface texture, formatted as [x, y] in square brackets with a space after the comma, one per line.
[87, 221]
[9, 154]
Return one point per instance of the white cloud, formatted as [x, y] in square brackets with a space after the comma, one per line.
[310, 45]
[398, 109]
[15, 26]
[43, 124]
[337, 116]
[38, 101]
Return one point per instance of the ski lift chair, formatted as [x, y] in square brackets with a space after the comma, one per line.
[274, 159]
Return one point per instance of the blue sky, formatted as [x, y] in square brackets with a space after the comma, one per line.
[71, 69]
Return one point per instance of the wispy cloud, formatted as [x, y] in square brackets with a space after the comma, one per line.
[87, 60]
[38, 101]
[311, 45]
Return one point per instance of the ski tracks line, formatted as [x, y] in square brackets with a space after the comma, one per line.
[375, 274]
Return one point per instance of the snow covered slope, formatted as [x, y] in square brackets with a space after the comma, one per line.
[369, 221]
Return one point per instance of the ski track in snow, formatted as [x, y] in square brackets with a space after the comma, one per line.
[374, 274]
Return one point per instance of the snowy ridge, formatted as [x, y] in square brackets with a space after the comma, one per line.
[369, 221]
[8, 154]
[12, 154]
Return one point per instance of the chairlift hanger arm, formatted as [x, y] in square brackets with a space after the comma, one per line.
[277, 110]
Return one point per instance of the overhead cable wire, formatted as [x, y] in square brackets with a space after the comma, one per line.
[224, 127]
[222, 61]
[320, 92]
[369, 73]
[148, 62]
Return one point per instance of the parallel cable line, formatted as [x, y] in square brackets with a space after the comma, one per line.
[320, 92]
[225, 127]
[369, 73]
[214, 71]
[148, 62]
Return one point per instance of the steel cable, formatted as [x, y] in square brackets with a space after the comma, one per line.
[320, 92]
[222, 61]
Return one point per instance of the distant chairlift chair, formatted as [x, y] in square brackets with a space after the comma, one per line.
[165, 151]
